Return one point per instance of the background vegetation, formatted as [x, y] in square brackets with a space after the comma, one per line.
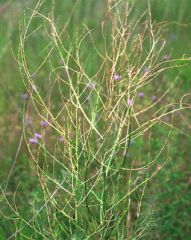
[165, 199]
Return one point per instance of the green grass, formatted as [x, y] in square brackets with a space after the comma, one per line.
[167, 195]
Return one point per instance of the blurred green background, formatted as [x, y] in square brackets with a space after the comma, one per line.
[169, 193]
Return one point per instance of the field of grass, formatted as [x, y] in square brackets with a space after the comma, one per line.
[95, 120]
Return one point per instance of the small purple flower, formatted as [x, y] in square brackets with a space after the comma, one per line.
[130, 102]
[61, 139]
[154, 98]
[166, 57]
[38, 136]
[116, 77]
[44, 123]
[141, 94]
[33, 141]
[25, 96]
[146, 70]
[91, 85]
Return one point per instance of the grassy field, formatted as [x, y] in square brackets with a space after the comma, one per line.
[95, 120]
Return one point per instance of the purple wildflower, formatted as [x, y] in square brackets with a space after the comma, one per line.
[33, 141]
[154, 98]
[91, 85]
[146, 70]
[116, 77]
[166, 57]
[141, 94]
[44, 123]
[61, 139]
[38, 136]
[130, 102]
[25, 96]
